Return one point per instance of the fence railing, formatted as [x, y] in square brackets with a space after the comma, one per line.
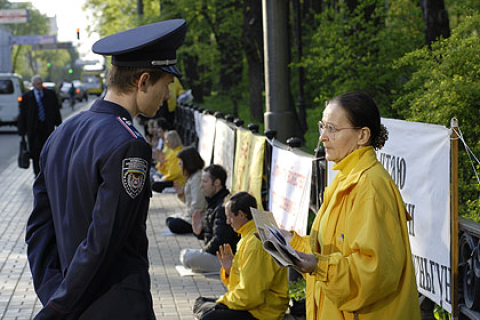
[469, 231]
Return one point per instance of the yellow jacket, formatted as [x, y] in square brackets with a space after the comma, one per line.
[176, 90]
[170, 169]
[360, 239]
[256, 283]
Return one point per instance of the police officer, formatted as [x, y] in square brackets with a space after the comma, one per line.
[86, 237]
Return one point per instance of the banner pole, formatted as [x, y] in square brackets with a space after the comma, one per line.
[454, 216]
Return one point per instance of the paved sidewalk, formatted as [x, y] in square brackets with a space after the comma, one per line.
[173, 295]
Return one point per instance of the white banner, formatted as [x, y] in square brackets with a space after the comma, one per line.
[205, 126]
[417, 156]
[290, 184]
[224, 150]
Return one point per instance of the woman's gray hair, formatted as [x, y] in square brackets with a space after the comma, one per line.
[174, 138]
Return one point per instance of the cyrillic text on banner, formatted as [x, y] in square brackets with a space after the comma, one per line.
[290, 184]
[248, 167]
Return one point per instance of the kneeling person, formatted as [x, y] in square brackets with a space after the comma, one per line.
[257, 286]
[213, 229]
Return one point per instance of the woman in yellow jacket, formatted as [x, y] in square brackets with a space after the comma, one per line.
[357, 259]
[169, 166]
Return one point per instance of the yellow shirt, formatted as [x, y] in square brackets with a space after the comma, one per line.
[360, 239]
[256, 283]
[176, 90]
[170, 169]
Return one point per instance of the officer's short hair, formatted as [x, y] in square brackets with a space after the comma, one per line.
[243, 201]
[124, 79]
[217, 172]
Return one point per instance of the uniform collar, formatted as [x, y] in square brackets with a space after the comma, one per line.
[247, 228]
[104, 106]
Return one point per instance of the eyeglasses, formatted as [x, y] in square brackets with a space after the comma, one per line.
[330, 129]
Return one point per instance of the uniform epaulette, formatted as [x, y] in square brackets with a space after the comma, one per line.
[128, 125]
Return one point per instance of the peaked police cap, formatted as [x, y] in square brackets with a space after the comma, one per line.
[149, 46]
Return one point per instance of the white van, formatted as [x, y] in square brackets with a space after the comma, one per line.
[11, 91]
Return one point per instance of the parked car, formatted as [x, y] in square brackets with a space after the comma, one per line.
[11, 91]
[49, 85]
[81, 93]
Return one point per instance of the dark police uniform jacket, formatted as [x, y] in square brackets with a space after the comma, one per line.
[86, 236]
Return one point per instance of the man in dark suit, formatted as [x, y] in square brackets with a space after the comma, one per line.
[39, 115]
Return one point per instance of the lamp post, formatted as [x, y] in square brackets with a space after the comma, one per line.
[302, 117]
[278, 115]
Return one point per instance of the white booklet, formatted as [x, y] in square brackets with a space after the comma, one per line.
[273, 241]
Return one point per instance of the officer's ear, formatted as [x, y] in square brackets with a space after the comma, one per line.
[143, 81]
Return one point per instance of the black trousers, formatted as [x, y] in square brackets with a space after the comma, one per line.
[36, 143]
[206, 308]
[178, 225]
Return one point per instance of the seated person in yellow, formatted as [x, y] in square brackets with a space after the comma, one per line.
[169, 166]
[361, 266]
[257, 286]
[192, 164]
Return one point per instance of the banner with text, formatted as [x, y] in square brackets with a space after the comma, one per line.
[417, 156]
[248, 167]
[290, 184]
[224, 150]
[205, 125]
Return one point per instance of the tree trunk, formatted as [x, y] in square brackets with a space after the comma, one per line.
[252, 40]
[435, 17]
[193, 77]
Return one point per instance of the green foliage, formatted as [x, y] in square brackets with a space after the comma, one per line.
[224, 105]
[27, 61]
[354, 50]
[296, 290]
[445, 83]
[441, 314]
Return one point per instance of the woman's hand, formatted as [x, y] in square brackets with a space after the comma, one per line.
[307, 263]
[178, 187]
[197, 224]
[286, 234]
[225, 256]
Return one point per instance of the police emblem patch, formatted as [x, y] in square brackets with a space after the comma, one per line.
[134, 171]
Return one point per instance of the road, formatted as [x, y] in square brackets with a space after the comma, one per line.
[9, 139]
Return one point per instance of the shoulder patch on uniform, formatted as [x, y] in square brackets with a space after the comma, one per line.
[128, 125]
[134, 172]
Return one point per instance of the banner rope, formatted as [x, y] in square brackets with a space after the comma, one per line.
[469, 153]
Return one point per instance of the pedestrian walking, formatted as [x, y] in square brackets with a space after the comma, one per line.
[71, 95]
[38, 117]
